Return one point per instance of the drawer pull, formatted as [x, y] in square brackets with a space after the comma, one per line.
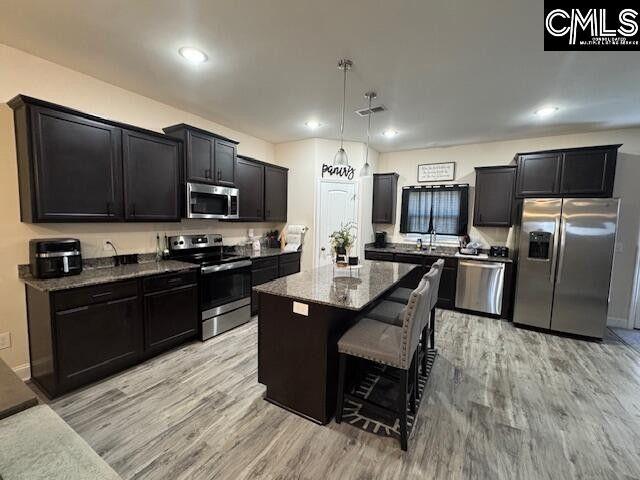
[174, 280]
[100, 295]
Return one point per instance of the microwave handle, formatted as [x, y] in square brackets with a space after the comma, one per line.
[229, 204]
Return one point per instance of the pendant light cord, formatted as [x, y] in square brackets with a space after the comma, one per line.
[366, 161]
[344, 100]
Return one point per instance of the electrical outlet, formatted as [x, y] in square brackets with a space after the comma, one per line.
[5, 340]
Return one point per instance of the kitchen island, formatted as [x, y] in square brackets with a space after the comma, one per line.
[300, 320]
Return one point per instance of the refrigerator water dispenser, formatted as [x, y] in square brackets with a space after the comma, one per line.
[539, 245]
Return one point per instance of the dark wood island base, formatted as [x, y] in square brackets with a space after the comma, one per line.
[298, 332]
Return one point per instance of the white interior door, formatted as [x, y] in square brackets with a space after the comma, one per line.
[337, 207]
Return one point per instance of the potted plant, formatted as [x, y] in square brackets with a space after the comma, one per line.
[342, 240]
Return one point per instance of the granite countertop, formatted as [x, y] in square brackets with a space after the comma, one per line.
[15, 396]
[451, 252]
[98, 275]
[349, 288]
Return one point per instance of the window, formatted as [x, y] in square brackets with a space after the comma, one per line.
[440, 208]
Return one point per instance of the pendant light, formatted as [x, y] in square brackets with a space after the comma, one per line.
[341, 156]
[365, 171]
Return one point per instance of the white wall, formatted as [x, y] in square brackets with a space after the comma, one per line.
[467, 157]
[304, 160]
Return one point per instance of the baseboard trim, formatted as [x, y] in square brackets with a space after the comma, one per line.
[23, 371]
[617, 322]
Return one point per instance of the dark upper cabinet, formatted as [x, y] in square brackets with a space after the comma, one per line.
[385, 186]
[152, 177]
[589, 172]
[70, 166]
[250, 183]
[539, 174]
[225, 163]
[200, 151]
[575, 172]
[208, 158]
[76, 167]
[275, 194]
[494, 196]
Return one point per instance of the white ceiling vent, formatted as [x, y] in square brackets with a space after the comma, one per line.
[365, 111]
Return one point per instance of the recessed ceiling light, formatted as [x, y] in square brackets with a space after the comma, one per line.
[193, 55]
[545, 111]
[313, 124]
[390, 133]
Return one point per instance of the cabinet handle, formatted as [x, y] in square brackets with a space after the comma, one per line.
[268, 213]
[174, 280]
[108, 209]
[259, 211]
[133, 209]
[99, 295]
[206, 173]
[219, 175]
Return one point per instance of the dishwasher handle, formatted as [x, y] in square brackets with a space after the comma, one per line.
[491, 265]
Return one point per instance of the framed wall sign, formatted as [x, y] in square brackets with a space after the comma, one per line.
[437, 172]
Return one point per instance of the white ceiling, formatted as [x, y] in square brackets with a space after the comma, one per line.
[450, 71]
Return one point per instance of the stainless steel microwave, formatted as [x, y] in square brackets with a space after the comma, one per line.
[210, 201]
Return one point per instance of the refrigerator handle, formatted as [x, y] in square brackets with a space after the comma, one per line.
[562, 247]
[554, 258]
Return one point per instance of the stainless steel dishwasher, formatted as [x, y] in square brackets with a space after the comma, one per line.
[479, 286]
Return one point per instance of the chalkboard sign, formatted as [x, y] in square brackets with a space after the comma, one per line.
[437, 172]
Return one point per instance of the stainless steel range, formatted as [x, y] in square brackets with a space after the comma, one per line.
[225, 281]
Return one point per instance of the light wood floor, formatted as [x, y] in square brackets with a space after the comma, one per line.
[503, 403]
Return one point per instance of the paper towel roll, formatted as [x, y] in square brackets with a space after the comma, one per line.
[296, 229]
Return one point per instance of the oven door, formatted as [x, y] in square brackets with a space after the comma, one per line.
[209, 201]
[224, 287]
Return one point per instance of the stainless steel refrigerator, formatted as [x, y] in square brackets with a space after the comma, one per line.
[565, 257]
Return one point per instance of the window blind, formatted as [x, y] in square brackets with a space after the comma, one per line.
[439, 208]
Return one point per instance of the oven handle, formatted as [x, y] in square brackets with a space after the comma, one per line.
[226, 266]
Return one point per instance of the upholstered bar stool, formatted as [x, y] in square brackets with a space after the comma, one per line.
[398, 296]
[391, 345]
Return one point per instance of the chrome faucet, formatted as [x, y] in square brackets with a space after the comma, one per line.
[433, 238]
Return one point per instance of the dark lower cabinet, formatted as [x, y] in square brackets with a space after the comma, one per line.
[83, 334]
[494, 196]
[170, 317]
[380, 256]
[96, 340]
[288, 264]
[447, 290]
[266, 269]
[275, 194]
[152, 177]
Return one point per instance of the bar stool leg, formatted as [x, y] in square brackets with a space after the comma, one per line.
[413, 376]
[416, 390]
[423, 366]
[402, 408]
[433, 328]
[342, 368]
